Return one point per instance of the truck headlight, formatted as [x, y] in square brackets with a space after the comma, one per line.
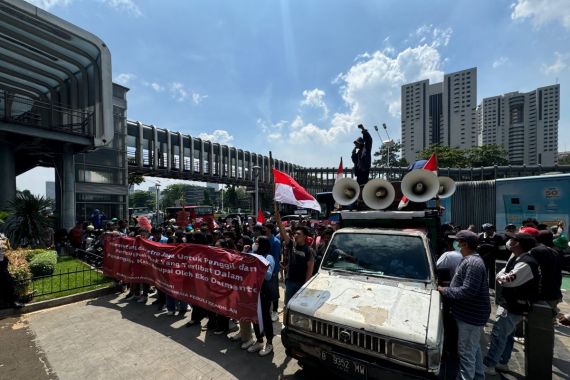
[299, 321]
[408, 354]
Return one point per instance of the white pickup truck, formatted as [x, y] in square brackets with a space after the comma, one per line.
[372, 310]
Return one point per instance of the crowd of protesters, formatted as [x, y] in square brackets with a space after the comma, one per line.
[293, 250]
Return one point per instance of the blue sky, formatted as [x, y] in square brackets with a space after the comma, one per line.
[296, 77]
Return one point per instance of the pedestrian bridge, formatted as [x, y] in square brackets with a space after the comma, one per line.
[158, 152]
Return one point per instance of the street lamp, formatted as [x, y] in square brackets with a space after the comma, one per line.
[256, 174]
[387, 145]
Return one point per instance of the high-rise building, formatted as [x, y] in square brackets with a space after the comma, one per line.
[440, 113]
[525, 124]
[50, 190]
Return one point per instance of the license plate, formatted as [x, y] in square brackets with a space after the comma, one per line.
[345, 365]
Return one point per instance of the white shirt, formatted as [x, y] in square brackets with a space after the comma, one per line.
[450, 260]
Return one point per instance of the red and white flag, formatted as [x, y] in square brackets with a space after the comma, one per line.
[431, 165]
[340, 172]
[260, 217]
[288, 191]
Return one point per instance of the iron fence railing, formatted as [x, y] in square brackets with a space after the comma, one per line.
[61, 282]
[25, 111]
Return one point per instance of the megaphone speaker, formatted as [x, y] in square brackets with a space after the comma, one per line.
[346, 191]
[420, 185]
[446, 187]
[378, 194]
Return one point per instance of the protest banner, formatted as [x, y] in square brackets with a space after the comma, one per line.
[219, 280]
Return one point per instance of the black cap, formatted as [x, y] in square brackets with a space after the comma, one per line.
[465, 235]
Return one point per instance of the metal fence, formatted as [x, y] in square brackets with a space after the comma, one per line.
[60, 283]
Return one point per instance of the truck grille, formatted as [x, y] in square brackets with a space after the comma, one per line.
[349, 336]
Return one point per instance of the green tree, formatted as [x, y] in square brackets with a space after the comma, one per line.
[28, 222]
[486, 155]
[142, 199]
[231, 196]
[564, 160]
[135, 179]
[173, 193]
[447, 157]
[391, 149]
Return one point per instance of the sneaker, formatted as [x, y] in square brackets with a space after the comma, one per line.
[266, 350]
[248, 344]
[170, 313]
[502, 367]
[274, 316]
[234, 337]
[255, 347]
[490, 371]
[142, 299]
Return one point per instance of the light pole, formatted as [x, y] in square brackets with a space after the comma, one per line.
[256, 174]
[387, 145]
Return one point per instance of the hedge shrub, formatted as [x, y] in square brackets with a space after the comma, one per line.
[43, 264]
[31, 253]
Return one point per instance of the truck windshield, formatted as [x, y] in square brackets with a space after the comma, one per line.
[401, 256]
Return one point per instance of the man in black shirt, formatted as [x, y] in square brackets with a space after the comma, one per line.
[299, 260]
[362, 156]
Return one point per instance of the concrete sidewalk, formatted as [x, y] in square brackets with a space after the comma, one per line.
[108, 338]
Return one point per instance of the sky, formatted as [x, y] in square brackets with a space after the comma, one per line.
[297, 77]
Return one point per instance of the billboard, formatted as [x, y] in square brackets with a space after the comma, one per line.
[545, 198]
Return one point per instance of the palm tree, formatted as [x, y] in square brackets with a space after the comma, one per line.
[28, 222]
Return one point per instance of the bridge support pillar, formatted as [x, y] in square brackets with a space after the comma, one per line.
[7, 175]
[68, 190]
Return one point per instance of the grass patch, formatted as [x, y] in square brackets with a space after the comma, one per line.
[71, 276]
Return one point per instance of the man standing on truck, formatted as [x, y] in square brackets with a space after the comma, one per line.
[298, 260]
[362, 156]
[468, 295]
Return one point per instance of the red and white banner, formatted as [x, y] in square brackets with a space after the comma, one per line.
[288, 191]
[219, 280]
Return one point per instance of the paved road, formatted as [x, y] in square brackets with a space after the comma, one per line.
[107, 338]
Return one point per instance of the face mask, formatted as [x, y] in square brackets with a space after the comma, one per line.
[456, 245]
[254, 247]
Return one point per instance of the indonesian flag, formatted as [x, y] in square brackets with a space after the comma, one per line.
[288, 191]
[431, 165]
[340, 172]
[260, 218]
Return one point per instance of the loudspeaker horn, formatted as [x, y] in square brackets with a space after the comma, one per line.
[446, 187]
[346, 191]
[378, 194]
[420, 185]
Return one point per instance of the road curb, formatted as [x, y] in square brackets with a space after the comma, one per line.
[29, 308]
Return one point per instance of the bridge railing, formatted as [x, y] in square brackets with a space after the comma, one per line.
[317, 180]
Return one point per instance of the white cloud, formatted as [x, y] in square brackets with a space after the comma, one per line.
[542, 11]
[128, 5]
[124, 78]
[558, 66]
[157, 87]
[48, 4]
[314, 98]
[371, 92]
[500, 62]
[197, 98]
[218, 136]
[436, 36]
[178, 91]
